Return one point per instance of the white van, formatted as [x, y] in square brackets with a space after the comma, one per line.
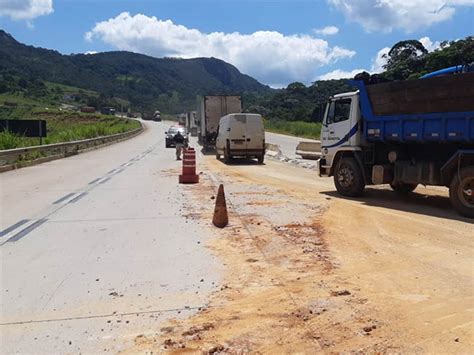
[241, 135]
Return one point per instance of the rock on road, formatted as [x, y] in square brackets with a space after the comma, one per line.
[95, 249]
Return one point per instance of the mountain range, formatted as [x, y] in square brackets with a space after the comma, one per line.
[146, 82]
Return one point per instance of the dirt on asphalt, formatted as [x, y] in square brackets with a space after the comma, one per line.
[309, 272]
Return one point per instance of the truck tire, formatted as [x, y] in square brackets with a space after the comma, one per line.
[403, 189]
[227, 157]
[461, 191]
[348, 178]
[261, 159]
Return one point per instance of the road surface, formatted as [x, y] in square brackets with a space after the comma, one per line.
[310, 272]
[96, 249]
[105, 252]
[287, 143]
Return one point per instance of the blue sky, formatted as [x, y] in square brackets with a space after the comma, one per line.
[277, 42]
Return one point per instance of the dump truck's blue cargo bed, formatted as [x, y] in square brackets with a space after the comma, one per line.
[403, 112]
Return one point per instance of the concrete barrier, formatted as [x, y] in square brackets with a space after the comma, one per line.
[309, 150]
[272, 150]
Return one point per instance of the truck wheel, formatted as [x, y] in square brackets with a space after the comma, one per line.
[261, 159]
[461, 191]
[403, 189]
[348, 178]
[227, 157]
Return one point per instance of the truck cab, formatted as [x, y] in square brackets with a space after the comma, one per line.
[340, 130]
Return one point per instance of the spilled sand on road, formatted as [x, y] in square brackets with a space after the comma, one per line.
[307, 272]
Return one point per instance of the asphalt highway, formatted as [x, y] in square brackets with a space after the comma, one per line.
[96, 249]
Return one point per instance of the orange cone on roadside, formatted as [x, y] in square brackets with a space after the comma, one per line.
[220, 219]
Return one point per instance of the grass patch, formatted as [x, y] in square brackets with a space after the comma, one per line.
[301, 129]
[9, 140]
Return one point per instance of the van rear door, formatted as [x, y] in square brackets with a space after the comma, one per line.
[238, 132]
[255, 134]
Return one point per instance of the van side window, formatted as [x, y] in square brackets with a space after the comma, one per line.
[339, 111]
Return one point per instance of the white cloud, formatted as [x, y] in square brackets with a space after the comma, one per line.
[327, 31]
[379, 61]
[90, 52]
[430, 45]
[387, 15]
[340, 74]
[269, 56]
[25, 9]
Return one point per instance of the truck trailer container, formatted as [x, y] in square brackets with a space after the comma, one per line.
[212, 108]
[403, 134]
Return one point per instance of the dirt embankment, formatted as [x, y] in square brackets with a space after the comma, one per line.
[308, 272]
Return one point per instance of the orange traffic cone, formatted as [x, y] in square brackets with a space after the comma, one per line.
[220, 219]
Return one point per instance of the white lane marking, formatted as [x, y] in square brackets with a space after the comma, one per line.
[22, 230]
[13, 227]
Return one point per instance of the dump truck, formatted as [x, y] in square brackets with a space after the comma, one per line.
[404, 133]
[212, 108]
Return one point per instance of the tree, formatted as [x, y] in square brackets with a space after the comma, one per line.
[296, 87]
[22, 83]
[404, 58]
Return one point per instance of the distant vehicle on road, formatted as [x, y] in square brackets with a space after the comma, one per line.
[212, 109]
[241, 135]
[191, 123]
[88, 109]
[147, 116]
[403, 134]
[107, 111]
[181, 119]
[171, 132]
[157, 116]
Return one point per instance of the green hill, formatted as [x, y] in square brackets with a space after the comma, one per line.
[148, 83]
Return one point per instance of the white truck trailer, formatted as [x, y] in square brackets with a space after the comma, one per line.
[212, 109]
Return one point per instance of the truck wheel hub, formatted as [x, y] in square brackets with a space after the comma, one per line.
[467, 192]
[345, 177]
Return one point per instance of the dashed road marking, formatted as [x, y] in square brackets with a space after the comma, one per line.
[64, 198]
[78, 197]
[13, 237]
[94, 181]
[104, 181]
[13, 227]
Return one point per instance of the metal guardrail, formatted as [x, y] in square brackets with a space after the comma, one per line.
[11, 156]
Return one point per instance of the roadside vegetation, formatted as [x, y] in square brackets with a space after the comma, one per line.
[69, 126]
[311, 130]
[56, 104]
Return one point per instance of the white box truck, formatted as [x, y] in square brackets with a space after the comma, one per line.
[212, 109]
